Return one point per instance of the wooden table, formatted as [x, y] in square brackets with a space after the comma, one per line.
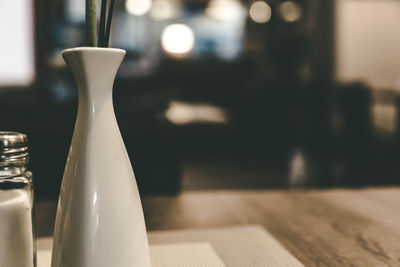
[319, 227]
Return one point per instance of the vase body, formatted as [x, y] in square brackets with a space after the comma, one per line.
[99, 220]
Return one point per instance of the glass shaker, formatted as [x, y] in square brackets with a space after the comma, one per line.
[17, 238]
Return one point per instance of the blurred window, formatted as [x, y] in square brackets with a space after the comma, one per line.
[219, 30]
[368, 42]
[17, 65]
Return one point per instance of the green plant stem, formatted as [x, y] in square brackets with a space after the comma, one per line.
[102, 24]
[109, 19]
[91, 23]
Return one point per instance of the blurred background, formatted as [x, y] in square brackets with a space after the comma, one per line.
[218, 94]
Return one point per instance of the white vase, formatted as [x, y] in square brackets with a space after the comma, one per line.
[100, 220]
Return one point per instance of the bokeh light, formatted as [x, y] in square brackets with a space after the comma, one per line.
[224, 9]
[260, 12]
[138, 7]
[290, 11]
[177, 39]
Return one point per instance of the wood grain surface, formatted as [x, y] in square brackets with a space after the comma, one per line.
[319, 227]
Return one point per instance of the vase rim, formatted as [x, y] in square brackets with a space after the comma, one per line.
[88, 48]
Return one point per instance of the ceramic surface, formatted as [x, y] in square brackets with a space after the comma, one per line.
[99, 220]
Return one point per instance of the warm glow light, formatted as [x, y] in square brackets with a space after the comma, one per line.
[138, 7]
[260, 12]
[224, 9]
[177, 39]
[290, 11]
[183, 113]
[163, 9]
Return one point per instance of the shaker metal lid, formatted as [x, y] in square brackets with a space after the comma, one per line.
[12, 139]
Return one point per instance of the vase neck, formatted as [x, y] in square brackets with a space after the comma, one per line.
[94, 70]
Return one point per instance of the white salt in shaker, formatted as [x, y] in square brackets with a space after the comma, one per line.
[17, 239]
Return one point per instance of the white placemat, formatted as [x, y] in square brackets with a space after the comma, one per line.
[163, 255]
[184, 255]
[239, 246]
